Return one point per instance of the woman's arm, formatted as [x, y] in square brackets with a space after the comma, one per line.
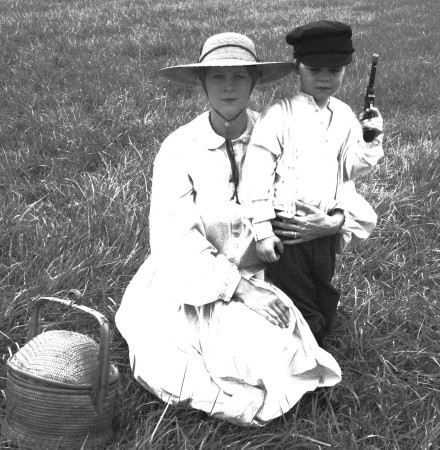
[354, 221]
[189, 267]
[256, 191]
[314, 224]
[262, 301]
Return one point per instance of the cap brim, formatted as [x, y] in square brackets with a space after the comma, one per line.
[327, 59]
[188, 73]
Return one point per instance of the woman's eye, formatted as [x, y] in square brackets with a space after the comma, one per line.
[216, 76]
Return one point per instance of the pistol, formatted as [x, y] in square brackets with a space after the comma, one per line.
[369, 134]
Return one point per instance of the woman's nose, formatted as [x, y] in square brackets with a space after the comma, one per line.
[229, 84]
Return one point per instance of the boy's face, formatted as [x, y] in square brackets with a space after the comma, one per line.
[320, 82]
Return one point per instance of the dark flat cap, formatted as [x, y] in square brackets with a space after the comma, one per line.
[325, 43]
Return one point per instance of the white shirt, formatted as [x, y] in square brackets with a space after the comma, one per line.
[295, 155]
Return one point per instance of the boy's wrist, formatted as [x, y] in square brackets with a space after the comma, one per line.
[262, 230]
[338, 216]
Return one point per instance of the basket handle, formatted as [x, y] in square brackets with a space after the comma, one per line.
[101, 378]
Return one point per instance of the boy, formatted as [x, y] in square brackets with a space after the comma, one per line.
[303, 154]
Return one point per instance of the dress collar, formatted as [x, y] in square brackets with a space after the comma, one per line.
[210, 139]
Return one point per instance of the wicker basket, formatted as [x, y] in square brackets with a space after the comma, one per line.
[61, 389]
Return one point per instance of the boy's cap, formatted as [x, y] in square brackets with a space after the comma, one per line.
[325, 43]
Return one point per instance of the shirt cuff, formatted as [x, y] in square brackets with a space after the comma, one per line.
[259, 210]
[262, 230]
[373, 150]
[347, 227]
[231, 285]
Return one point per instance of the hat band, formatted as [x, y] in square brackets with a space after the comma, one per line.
[323, 52]
[239, 53]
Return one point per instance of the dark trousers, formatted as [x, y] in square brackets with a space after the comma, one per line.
[304, 272]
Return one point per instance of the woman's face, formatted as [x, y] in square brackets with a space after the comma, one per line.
[228, 89]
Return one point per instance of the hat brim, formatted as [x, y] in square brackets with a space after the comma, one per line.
[326, 59]
[188, 73]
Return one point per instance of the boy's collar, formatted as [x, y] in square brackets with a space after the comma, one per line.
[311, 100]
[307, 97]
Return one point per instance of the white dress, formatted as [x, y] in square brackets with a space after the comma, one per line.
[190, 342]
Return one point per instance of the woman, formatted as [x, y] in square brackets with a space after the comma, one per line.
[202, 325]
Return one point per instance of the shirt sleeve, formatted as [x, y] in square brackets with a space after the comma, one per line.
[259, 173]
[360, 218]
[360, 156]
[198, 274]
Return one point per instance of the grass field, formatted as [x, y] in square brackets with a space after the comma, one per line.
[82, 115]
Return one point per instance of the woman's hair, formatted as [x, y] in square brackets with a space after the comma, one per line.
[254, 72]
[201, 73]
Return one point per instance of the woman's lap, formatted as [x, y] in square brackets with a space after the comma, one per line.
[229, 361]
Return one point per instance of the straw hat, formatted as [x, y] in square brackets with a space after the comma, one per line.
[227, 50]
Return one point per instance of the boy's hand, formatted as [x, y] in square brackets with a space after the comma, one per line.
[269, 249]
[375, 122]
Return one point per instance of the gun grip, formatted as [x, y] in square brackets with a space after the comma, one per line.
[369, 134]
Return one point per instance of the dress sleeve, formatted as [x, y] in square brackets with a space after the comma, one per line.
[360, 156]
[196, 272]
[259, 173]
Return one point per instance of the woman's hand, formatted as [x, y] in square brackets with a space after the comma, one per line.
[264, 302]
[313, 224]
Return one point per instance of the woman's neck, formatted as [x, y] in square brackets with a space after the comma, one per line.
[236, 127]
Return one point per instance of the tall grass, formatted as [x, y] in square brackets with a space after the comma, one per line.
[82, 115]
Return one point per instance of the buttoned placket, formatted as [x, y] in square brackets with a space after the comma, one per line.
[291, 181]
[236, 224]
[236, 216]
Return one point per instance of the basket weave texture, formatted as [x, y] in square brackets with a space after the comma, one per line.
[48, 389]
[63, 357]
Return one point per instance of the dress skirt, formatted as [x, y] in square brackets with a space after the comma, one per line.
[222, 357]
